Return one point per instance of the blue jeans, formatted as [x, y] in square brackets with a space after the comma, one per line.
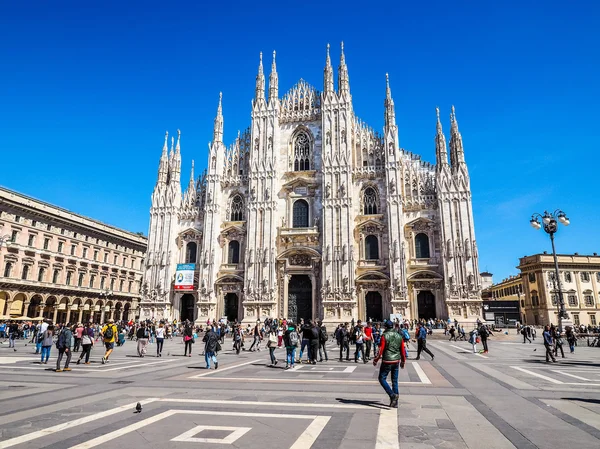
[291, 355]
[385, 369]
[46, 353]
[208, 356]
[305, 343]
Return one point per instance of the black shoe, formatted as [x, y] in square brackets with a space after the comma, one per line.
[432, 357]
[418, 358]
[216, 365]
[394, 401]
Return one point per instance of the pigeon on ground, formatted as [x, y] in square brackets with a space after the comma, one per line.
[535, 350]
[138, 408]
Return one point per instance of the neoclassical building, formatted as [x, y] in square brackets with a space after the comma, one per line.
[310, 213]
[63, 266]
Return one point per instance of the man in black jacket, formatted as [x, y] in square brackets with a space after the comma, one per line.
[322, 341]
[343, 339]
[314, 337]
[210, 348]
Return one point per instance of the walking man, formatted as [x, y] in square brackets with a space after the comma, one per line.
[64, 346]
[391, 351]
[548, 344]
[314, 338]
[322, 342]
[109, 335]
[344, 341]
[524, 333]
[368, 331]
[360, 345]
[484, 334]
[421, 335]
[210, 348]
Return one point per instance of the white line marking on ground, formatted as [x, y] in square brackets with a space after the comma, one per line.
[465, 350]
[571, 375]
[387, 430]
[309, 435]
[261, 404]
[312, 432]
[68, 425]
[448, 352]
[541, 376]
[137, 365]
[303, 380]
[422, 376]
[190, 435]
[316, 369]
[208, 373]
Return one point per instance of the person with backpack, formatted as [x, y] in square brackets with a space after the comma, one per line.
[359, 339]
[109, 335]
[211, 347]
[322, 341]
[142, 335]
[64, 346]
[343, 338]
[484, 334]
[188, 339]
[391, 351]
[305, 332]
[290, 340]
[376, 339]
[47, 342]
[87, 341]
[421, 336]
[473, 339]
[238, 336]
[272, 344]
[405, 337]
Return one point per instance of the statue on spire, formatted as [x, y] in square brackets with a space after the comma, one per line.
[441, 152]
[273, 81]
[260, 80]
[328, 75]
[218, 128]
[457, 154]
[343, 81]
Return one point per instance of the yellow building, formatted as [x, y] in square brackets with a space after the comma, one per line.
[63, 266]
[580, 282]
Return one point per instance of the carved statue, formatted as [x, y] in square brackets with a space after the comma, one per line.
[270, 142]
[395, 251]
[343, 136]
[328, 190]
[328, 138]
[266, 256]
[205, 259]
[253, 193]
[467, 249]
[316, 222]
[344, 249]
[449, 250]
[163, 258]
[283, 222]
[264, 286]
[392, 187]
[267, 194]
[345, 284]
[250, 257]
[342, 190]
[475, 253]
[327, 249]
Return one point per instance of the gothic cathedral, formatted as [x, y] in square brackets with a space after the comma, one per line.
[310, 213]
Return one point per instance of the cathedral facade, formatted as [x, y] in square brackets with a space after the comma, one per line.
[310, 213]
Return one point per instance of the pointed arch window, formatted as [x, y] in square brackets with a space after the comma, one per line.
[237, 208]
[370, 201]
[301, 214]
[371, 247]
[302, 153]
[422, 246]
[233, 253]
[190, 252]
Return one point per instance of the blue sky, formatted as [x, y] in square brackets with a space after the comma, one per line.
[87, 92]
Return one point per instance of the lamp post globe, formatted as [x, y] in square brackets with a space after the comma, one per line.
[550, 221]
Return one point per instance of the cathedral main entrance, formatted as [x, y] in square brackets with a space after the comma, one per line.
[231, 306]
[426, 305]
[187, 308]
[299, 298]
[374, 306]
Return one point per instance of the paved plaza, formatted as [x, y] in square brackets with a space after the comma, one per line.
[505, 399]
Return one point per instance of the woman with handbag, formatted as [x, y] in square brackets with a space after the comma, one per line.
[188, 339]
[87, 341]
[272, 345]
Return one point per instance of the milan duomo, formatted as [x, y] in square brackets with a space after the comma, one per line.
[310, 213]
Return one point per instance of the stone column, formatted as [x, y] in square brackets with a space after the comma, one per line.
[25, 307]
[80, 313]
[42, 305]
[55, 313]
[286, 281]
[68, 313]
[102, 315]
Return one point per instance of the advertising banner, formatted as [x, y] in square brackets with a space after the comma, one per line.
[184, 276]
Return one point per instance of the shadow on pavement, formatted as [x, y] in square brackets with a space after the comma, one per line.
[373, 404]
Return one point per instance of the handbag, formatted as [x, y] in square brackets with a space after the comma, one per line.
[218, 347]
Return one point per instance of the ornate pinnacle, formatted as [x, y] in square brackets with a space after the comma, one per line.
[177, 147]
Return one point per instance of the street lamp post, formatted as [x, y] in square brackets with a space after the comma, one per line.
[550, 223]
